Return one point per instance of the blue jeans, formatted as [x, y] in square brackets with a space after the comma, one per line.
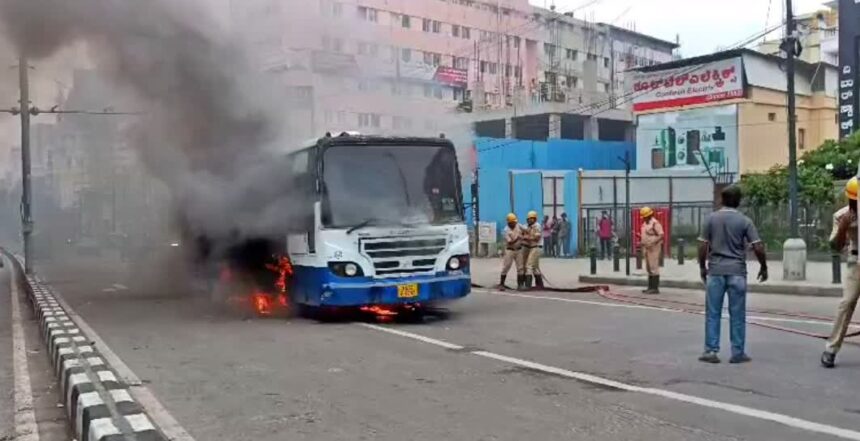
[736, 287]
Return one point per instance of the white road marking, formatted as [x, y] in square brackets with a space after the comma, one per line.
[786, 420]
[429, 340]
[159, 414]
[26, 428]
[120, 286]
[653, 308]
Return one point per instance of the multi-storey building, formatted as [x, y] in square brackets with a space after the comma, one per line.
[819, 36]
[390, 65]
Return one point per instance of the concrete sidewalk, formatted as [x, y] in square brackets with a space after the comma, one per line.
[572, 272]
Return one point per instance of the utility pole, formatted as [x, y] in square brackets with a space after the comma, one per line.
[628, 234]
[794, 249]
[26, 190]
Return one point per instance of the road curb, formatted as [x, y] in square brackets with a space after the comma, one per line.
[98, 405]
[766, 288]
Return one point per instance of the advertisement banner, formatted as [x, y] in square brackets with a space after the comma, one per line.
[452, 77]
[692, 139]
[709, 82]
[849, 33]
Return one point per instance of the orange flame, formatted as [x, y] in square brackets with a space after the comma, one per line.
[262, 303]
[380, 311]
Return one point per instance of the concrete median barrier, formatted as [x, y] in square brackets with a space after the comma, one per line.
[98, 405]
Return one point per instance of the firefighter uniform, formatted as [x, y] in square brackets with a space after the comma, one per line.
[851, 284]
[514, 235]
[532, 250]
[651, 237]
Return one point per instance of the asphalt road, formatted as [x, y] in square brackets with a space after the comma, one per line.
[493, 367]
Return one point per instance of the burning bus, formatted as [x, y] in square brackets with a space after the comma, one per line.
[365, 222]
[383, 223]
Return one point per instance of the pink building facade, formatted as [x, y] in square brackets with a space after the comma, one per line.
[391, 65]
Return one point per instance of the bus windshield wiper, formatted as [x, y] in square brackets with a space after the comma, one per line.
[361, 225]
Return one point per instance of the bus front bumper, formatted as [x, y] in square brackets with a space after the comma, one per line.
[445, 286]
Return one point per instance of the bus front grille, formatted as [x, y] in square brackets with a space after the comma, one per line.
[395, 257]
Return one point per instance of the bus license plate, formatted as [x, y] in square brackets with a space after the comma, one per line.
[407, 291]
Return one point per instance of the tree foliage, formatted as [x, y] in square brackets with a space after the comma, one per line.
[817, 169]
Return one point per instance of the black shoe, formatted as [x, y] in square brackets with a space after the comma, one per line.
[741, 358]
[528, 283]
[653, 282]
[828, 360]
[502, 283]
[521, 282]
[539, 281]
[709, 357]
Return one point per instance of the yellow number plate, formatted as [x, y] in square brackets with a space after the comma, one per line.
[407, 291]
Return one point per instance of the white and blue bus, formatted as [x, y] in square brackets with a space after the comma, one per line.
[382, 222]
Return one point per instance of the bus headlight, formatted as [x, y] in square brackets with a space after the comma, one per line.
[350, 269]
[458, 263]
[345, 269]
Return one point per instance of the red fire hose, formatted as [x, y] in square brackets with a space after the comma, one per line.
[604, 292]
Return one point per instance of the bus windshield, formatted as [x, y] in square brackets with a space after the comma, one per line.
[390, 185]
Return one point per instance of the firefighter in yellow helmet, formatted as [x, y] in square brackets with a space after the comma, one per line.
[844, 237]
[532, 250]
[651, 238]
[514, 234]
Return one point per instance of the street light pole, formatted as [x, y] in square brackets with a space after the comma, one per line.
[794, 248]
[26, 190]
[790, 44]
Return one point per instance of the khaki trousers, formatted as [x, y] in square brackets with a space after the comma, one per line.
[533, 261]
[850, 293]
[511, 257]
[652, 259]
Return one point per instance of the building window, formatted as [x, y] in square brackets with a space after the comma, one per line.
[368, 14]
[571, 81]
[406, 54]
[592, 57]
[508, 70]
[455, 30]
[402, 122]
[518, 72]
[369, 120]
[572, 54]
[493, 68]
[405, 21]
[801, 139]
[605, 62]
[483, 67]
[425, 25]
[461, 63]
[437, 27]
[549, 49]
[467, 33]
[771, 116]
[516, 42]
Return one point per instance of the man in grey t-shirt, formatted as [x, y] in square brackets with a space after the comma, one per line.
[722, 247]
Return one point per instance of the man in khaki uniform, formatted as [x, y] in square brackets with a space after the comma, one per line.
[514, 234]
[844, 235]
[651, 238]
[532, 244]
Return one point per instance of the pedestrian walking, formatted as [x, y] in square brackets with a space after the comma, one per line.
[651, 237]
[723, 268]
[532, 250]
[547, 235]
[514, 236]
[555, 245]
[843, 237]
[564, 235]
[605, 229]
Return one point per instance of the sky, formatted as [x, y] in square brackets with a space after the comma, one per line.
[702, 25]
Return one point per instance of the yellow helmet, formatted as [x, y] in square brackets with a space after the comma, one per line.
[851, 188]
[512, 218]
[646, 212]
[533, 215]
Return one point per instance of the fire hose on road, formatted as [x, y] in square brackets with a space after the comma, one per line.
[606, 293]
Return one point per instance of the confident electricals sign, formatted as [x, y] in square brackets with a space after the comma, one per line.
[703, 83]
